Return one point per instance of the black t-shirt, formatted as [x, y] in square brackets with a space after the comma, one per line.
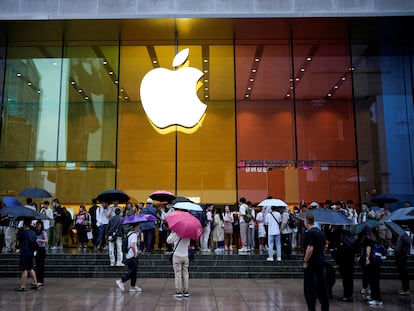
[315, 238]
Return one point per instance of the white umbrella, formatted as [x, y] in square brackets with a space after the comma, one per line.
[273, 202]
[189, 206]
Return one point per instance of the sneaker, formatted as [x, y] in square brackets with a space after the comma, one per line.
[186, 294]
[120, 285]
[177, 295]
[279, 258]
[20, 289]
[112, 264]
[375, 303]
[135, 289]
[120, 264]
[270, 259]
[404, 293]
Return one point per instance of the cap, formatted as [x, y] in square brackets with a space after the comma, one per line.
[149, 200]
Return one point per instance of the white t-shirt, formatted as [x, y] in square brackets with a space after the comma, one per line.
[242, 211]
[132, 240]
[273, 223]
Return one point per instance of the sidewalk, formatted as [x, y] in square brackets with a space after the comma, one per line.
[205, 294]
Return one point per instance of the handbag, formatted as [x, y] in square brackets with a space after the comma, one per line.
[171, 255]
[89, 234]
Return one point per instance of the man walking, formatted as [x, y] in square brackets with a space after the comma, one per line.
[314, 274]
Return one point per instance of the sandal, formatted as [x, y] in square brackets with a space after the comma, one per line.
[20, 289]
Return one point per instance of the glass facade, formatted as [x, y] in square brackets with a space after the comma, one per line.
[301, 109]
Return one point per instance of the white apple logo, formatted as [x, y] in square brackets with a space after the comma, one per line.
[169, 97]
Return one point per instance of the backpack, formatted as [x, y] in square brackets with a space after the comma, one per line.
[292, 222]
[125, 245]
[248, 216]
[378, 253]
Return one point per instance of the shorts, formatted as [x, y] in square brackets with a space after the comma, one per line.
[26, 262]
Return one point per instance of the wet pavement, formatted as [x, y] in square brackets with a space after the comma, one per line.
[205, 294]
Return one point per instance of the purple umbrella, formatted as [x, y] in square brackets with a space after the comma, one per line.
[137, 218]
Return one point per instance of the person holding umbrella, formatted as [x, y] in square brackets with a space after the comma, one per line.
[131, 261]
[184, 227]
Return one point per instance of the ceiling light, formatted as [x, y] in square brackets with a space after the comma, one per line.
[308, 58]
[254, 70]
[257, 59]
[72, 82]
[335, 87]
[80, 91]
[205, 60]
[205, 80]
[302, 69]
[38, 91]
[206, 89]
[205, 71]
[343, 78]
[18, 74]
[251, 79]
[29, 83]
[288, 95]
[104, 62]
[290, 80]
[154, 61]
[297, 79]
[205, 96]
[249, 88]
[86, 97]
[116, 81]
[126, 97]
[111, 72]
[329, 94]
[247, 95]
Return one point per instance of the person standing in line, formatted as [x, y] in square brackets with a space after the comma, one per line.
[273, 220]
[41, 239]
[58, 215]
[82, 222]
[48, 224]
[92, 212]
[148, 228]
[218, 232]
[401, 251]
[102, 220]
[286, 231]
[131, 261]
[261, 231]
[251, 229]
[314, 266]
[180, 264]
[244, 226]
[205, 238]
[228, 228]
[26, 239]
[114, 234]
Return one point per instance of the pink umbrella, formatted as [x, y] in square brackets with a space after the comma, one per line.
[185, 225]
[162, 196]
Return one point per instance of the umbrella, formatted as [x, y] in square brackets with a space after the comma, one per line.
[327, 216]
[404, 213]
[185, 225]
[181, 199]
[188, 206]
[112, 195]
[11, 201]
[384, 198]
[22, 212]
[137, 218]
[272, 202]
[35, 193]
[162, 196]
[370, 224]
[394, 227]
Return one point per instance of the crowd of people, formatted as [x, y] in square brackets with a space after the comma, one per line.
[274, 231]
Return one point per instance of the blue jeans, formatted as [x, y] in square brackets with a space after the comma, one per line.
[271, 241]
[101, 235]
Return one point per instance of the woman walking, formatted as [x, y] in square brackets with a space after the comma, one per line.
[41, 239]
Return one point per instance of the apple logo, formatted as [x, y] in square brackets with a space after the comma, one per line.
[169, 97]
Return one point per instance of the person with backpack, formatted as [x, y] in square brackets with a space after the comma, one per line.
[131, 255]
[114, 233]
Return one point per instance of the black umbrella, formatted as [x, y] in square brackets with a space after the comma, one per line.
[35, 193]
[162, 196]
[19, 211]
[112, 195]
[181, 199]
[384, 198]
